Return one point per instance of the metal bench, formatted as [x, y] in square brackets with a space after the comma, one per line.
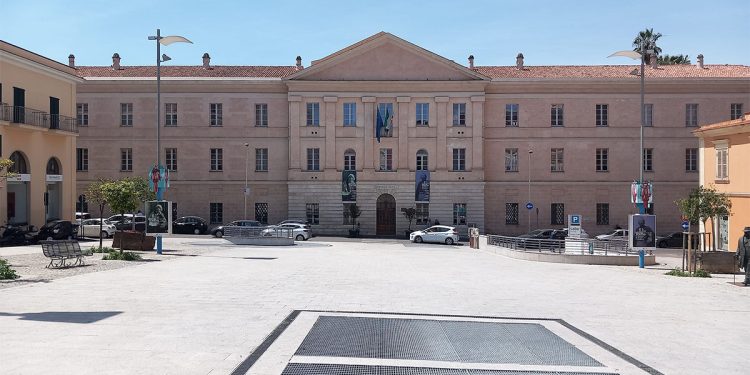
[61, 251]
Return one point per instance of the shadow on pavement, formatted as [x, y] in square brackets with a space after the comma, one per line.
[81, 317]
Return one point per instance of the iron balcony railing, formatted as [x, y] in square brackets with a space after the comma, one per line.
[35, 117]
[583, 246]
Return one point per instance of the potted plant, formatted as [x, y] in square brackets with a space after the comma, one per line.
[354, 212]
[409, 213]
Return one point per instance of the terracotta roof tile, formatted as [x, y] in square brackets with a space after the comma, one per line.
[188, 71]
[744, 120]
[614, 71]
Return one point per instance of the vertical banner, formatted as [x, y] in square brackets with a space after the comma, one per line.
[158, 179]
[349, 186]
[422, 186]
[157, 217]
[642, 232]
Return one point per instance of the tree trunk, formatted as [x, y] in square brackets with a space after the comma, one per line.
[101, 224]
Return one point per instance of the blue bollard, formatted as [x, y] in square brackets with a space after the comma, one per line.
[158, 244]
[641, 258]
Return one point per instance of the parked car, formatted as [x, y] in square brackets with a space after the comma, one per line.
[304, 222]
[300, 232]
[534, 238]
[90, 228]
[674, 239]
[617, 234]
[80, 216]
[127, 224]
[561, 234]
[190, 225]
[57, 230]
[218, 232]
[436, 233]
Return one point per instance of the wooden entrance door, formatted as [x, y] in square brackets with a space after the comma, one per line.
[386, 215]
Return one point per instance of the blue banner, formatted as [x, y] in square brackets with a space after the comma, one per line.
[422, 186]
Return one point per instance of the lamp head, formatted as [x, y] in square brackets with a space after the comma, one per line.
[165, 58]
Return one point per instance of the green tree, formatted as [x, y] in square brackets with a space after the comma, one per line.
[645, 41]
[703, 204]
[96, 193]
[353, 212]
[409, 213]
[5, 172]
[673, 60]
[126, 195]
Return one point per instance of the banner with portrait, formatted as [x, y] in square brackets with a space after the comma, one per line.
[422, 186]
[349, 186]
[158, 218]
[642, 232]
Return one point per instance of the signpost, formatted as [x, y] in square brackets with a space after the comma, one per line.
[529, 206]
[685, 225]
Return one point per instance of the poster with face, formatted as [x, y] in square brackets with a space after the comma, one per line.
[349, 186]
[422, 186]
[157, 217]
[642, 232]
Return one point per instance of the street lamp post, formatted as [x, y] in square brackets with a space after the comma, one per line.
[244, 193]
[529, 209]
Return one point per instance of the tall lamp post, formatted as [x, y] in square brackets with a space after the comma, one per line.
[529, 205]
[245, 192]
[160, 58]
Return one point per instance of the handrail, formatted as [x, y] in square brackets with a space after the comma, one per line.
[570, 246]
[35, 117]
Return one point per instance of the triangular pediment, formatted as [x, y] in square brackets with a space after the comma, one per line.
[385, 57]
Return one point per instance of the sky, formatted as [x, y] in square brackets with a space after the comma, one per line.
[251, 32]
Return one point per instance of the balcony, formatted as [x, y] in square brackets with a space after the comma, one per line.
[35, 117]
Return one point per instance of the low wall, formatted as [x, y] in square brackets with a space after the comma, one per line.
[606, 260]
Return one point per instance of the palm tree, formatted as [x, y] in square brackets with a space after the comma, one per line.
[674, 60]
[646, 40]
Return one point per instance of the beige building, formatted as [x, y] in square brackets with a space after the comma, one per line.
[454, 142]
[38, 133]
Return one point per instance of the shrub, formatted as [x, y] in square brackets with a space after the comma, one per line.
[680, 273]
[104, 249]
[127, 255]
[702, 273]
[7, 273]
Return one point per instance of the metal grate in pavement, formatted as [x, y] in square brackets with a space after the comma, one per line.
[337, 369]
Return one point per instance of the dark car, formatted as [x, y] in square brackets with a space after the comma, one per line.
[219, 231]
[190, 225]
[535, 239]
[57, 230]
[674, 239]
[127, 224]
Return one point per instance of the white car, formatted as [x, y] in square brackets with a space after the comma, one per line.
[301, 232]
[90, 228]
[436, 233]
[617, 234]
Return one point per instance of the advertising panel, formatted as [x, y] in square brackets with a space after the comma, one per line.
[642, 232]
[158, 217]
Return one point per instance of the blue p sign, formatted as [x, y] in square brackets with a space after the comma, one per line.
[575, 219]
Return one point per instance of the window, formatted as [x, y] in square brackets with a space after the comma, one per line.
[312, 212]
[82, 114]
[511, 160]
[216, 213]
[423, 213]
[423, 114]
[215, 114]
[313, 159]
[511, 214]
[648, 115]
[459, 213]
[602, 214]
[648, 159]
[350, 160]
[386, 159]
[557, 115]
[557, 211]
[350, 114]
[126, 159]
[459, 114]
[126, 114]
[601, 114]
[556, 156]
[722, 170]
[217, 159]
[170, 111]
[261, 115]
[459, 159]
[691, 115]
[261, 160]
[171, 159]
[511, 115]
[602, 159]
[261, 213]
[313, 114]
[422, 160]
[691, 160]
[82, 159]
[735, 111]
[348, 219]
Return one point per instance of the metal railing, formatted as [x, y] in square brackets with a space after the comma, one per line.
[34, 117]
[582, 246]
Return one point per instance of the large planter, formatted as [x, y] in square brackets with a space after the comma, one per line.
[717, 261]
[127, 240]
[353, 233]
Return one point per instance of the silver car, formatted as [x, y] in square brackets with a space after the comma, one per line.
[436, 233]
[90, 228]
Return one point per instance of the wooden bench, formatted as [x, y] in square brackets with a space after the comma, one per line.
[61, 251]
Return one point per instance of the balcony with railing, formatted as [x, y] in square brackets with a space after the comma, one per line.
[35, 117]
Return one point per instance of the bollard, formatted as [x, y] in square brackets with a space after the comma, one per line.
[641, 258]
[158, 243]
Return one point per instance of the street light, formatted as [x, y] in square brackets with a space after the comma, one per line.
[245, 192]
[529, 209]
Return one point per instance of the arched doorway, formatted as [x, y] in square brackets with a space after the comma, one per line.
[18, 190]
[386, 216]
[53, 195]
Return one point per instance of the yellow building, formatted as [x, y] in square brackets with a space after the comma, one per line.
[38, 131]
[724, 157]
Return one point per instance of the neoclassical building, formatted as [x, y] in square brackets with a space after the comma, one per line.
[388, 125]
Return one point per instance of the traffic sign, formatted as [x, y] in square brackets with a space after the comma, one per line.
[575, 219]
[529, 205]
[685, 225]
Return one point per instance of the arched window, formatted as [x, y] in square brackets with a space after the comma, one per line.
[53, 166]
[422, 164]
[350, 160]
[20, 165]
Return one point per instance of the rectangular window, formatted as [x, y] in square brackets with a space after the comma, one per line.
[217, 159]
[691, 115]
[82, 159]
[261, 160]
[423, 162]
[261, 213]
[459, 114]
[648, 159]
[261, 115]
[511, 160]
[126, 159]
[602, 115]
[602, 159]
[648, 113]
[313, 114]
[350, 114]
[735, 111]
[423, 114]
[216, 213]
[171, 159]
[511, 214]
[126, 114]
[386, 159]
[459, 213]
[557, 214]
[722, 170]
[691, 160]
[557, 115]
[312, 212]
[423, 214]
[313, 159]
[215, 114]
[350, 161]
[511, 115]
[82, 114]
[170, 111]
[557, 159]
[459, 159]
[602, 214]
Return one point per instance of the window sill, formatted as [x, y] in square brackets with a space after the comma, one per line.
[216, 170]
[261, 126]
[560, 171]
[557, 126]
[607, 171]
[312, 170]
[215, 126]
[459, 125]
[422, 125]
[130, 171]
[261, 171]
[126, 126]
[82, 170]
[349, 125]
[170, 126]
[726, 181]
[386, 170]
[513, 171]
[691, 171]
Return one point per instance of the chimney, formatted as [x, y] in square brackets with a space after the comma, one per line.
[700, 61]
[71, 61]
[471, 61]
[519, 61]
[116, 61]
[299, 63]
[206, 61]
